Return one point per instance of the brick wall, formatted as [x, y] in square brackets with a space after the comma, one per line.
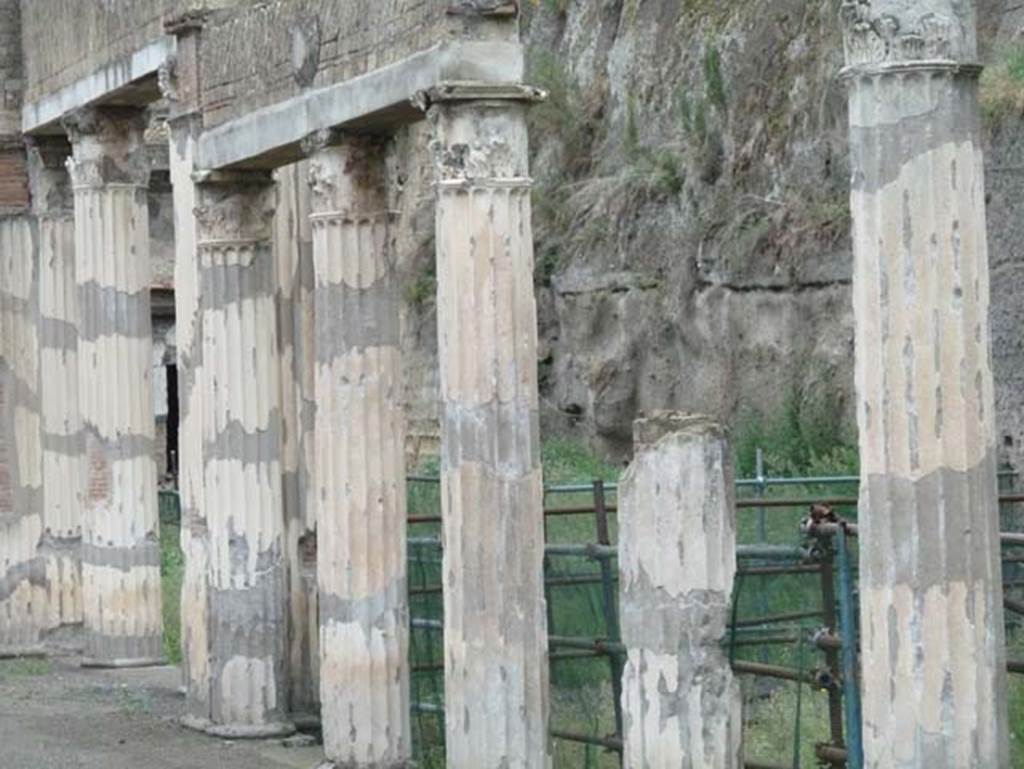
[69, 39]
[266, 53]
[13, 178]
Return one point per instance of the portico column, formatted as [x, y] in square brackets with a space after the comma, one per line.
[360, 460]
[24, 595]
[934, 677]
[120, 529]
[495, 634]
[239, 385]
[63, 445]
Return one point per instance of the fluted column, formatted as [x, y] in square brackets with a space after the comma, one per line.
[932, 643]
[24, 591]
[360, 461]
[677, 561]
[63, 440]
[294, 251]
[120, 528]
[495, 635]
[240, 386]
[195, 534]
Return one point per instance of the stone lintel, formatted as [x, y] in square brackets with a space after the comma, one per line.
[237, 178]
[376, 102]
[130, 79]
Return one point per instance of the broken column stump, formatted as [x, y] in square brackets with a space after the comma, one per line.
[677, 561]
[932, 639]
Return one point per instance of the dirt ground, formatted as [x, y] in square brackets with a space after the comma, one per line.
[56, 715]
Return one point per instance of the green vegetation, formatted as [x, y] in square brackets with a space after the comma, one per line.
[1002, 87]
[25, 667]
[421, 290]
[806, 437]
[172, 567]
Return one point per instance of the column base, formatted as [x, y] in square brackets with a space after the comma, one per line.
[18, 652]
[238, 731]
[352, 765]
[116, 664]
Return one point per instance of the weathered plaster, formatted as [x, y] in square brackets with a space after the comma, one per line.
[495, 619]
[931, 597]
[109, 173]
[360, 470]
[677, 561]
[239, 396]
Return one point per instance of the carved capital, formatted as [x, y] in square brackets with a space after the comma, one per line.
[347, 173]
[236, 207]
[882, 32]
[108, 146]
[49, 181]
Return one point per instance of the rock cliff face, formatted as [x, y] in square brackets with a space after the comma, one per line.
[692, 215]
[692, 208]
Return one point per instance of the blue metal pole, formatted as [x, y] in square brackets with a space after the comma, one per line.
[848, 633]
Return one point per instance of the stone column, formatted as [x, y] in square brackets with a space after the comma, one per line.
[24, 594]
[120, 527]
[495, 635]
[294, 251]
[240, 392]
[360, 470]
[195, 534]
[677, 560]
[932, 644]
[63, 441]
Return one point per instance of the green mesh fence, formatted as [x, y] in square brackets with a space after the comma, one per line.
[782, 639]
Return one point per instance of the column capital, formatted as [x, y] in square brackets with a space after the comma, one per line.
[108, 146]
[480, 132]
[932, 33]
[49, 182]
[234, 206]
[347, 174]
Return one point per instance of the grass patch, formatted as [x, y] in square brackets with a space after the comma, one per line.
[1001, 92]
[172, 569]
[25, 667]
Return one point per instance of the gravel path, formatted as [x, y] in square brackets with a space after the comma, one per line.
[55, 715]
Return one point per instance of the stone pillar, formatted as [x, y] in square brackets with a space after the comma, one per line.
[240, 392]
[63, 441]
[294, 251]
[195, 534]
[120, 527]
[932, 644]
[677, 560]
[360, 472]
[24, 612]
[495, 635]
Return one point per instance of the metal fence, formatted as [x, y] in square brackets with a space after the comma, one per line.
[793, 624]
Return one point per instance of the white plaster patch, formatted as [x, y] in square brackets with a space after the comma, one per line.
[248, 690]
